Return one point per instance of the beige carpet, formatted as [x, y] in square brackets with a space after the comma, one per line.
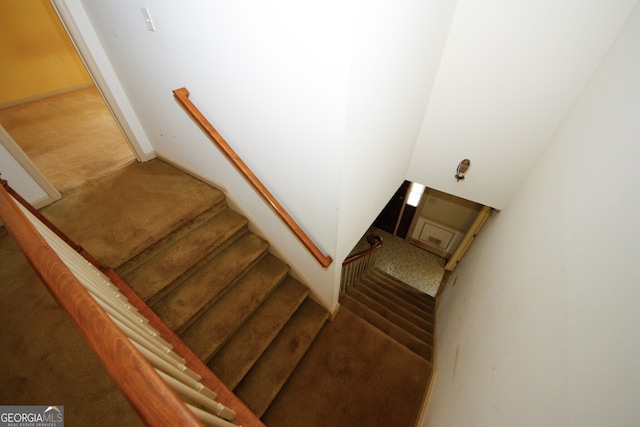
[116, 216]
[414, 266]
[70, 137]
[43, 359]
[353, 375]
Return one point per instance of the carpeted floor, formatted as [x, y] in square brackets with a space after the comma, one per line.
[43, 359]
[414, 266]
[71, 137]
[352, 376]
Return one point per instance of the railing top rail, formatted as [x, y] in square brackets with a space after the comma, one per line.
[182, 95]
[154, 401]
[376, 243]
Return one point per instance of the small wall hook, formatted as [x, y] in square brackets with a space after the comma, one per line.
[463, 166]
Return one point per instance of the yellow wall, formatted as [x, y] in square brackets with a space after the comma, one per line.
[36, 55]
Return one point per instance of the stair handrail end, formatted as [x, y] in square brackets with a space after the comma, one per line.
[375, 243]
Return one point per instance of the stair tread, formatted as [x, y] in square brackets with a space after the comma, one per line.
[201, 289]
[388, 291]
[414, 344]
[175, 259]
[221, 320]
[409, 296]
[241, 351]
[404, 288]
[383, 288]
[425, 335]
[182, 229]
[423, 319]
[263, 382]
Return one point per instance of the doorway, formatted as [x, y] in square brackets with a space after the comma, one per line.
[426, 233]
[49, 104]
[397, 216]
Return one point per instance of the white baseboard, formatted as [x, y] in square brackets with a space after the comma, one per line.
[191, 172]
[41, 203]
[44, 95]
[334, 312]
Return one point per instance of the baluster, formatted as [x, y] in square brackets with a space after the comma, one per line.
[146, 339]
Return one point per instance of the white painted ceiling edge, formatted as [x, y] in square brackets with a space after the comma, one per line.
[509, 73]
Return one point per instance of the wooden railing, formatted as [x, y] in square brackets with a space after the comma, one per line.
[182, 95]
[144, 385]
[359, 264]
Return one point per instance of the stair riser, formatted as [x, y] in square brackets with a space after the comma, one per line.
[136, 262]
[205, 307]
[232, 362]
[382, 298]
[412, 343]
[265, 379]
[409, 297]
[425, 299]
[274, 311]
[425, 314]
[215, 327]
[195, 295]
[423, 335]
[188, 274]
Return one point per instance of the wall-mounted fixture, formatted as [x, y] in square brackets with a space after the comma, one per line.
[463, 166]
[147, 19]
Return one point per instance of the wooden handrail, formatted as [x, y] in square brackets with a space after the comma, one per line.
[375, 243]
[358, 265]
[182, 95]
[244, 416]
[50, 225]
[154, 401]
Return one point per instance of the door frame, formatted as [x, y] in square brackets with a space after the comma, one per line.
[469, 237]
[21, 157]
[79, 29]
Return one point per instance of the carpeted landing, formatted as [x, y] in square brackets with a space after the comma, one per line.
[351, 374]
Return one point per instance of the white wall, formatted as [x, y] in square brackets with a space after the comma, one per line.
[86, 41]
[23, 175]
[510, 72]
[19, 179]
[318, 98]
[541, 326]
[270, 76]
[325, 100]
[395, 56]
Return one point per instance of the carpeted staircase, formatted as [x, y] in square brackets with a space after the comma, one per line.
[216, 285]
[397, 309]
[169, 234]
